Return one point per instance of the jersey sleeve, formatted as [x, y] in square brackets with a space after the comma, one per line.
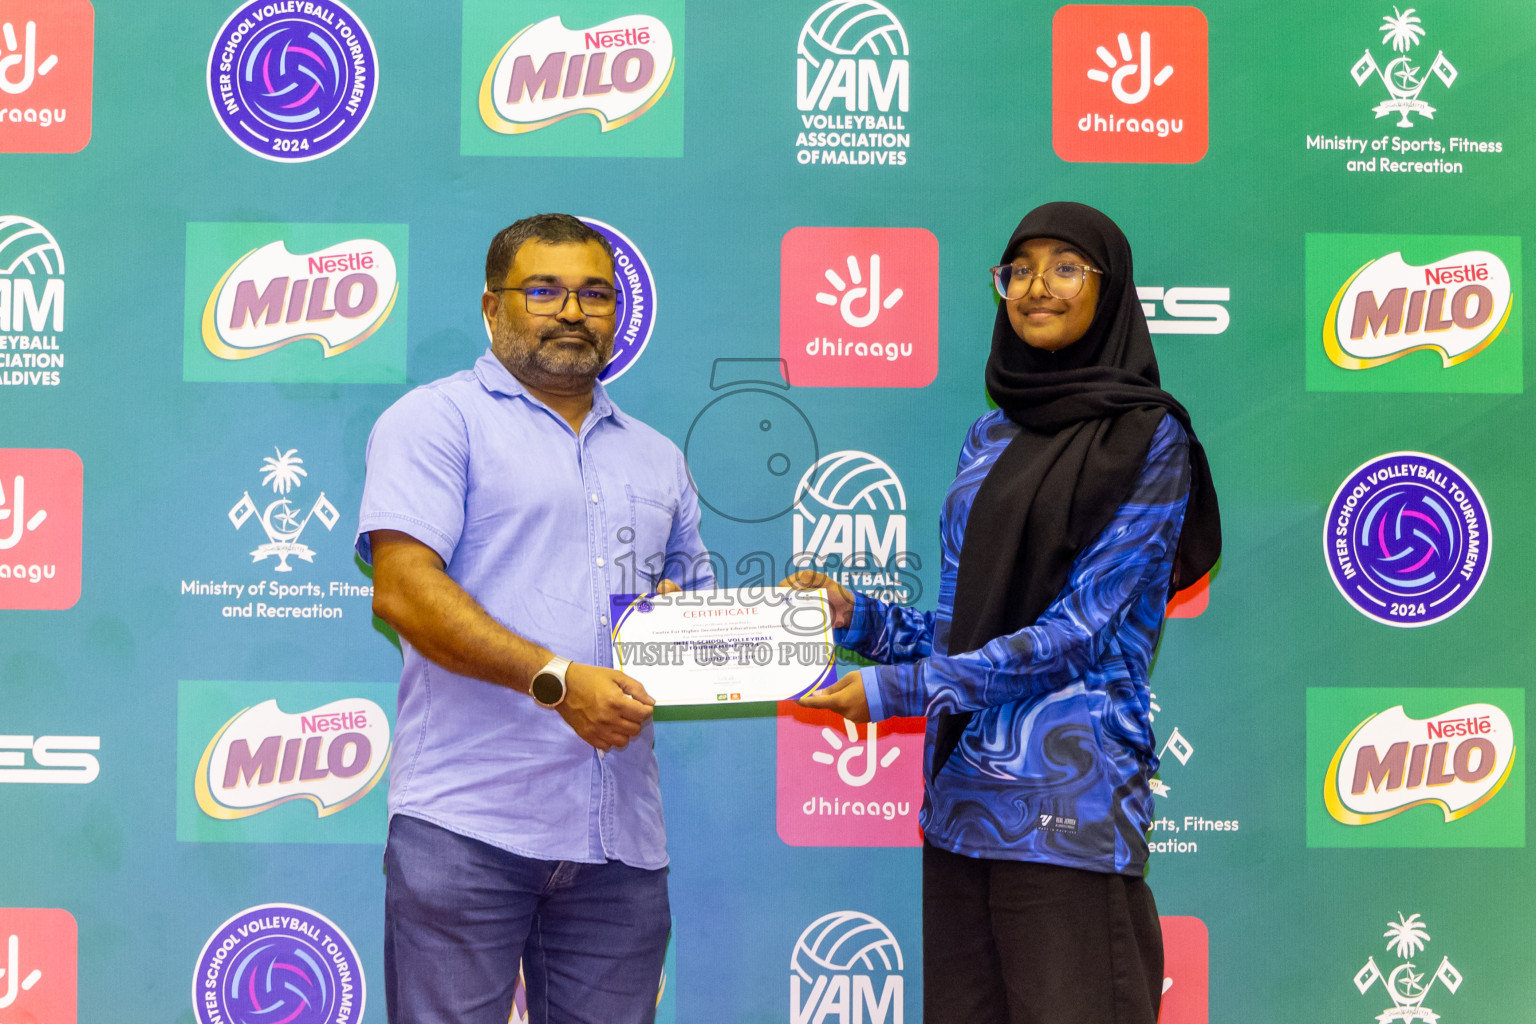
[1133, 554]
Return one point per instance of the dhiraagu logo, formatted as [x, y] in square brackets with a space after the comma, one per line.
[1413, 313]
[295, 302]
[594, 78]
[1425, 767]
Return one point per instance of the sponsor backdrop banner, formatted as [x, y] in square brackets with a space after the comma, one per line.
[233, 233]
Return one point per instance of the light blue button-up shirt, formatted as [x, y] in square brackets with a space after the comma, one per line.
[539, 525]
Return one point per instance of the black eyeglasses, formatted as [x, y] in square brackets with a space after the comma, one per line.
[549, 299]
[1063, 281]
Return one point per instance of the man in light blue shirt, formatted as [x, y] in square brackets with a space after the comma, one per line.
[503, 505]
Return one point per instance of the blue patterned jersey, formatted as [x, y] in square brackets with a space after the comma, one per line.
[1054, 766]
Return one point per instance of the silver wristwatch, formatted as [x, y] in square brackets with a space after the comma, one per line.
[548, 686]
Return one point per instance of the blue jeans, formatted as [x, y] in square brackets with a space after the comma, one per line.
[459, 914]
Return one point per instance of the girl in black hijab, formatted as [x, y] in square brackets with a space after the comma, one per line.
[1080, 504]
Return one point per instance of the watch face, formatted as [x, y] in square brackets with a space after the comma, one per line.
[547, 688]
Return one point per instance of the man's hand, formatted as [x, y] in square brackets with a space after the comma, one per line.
[846, 697]
[839, 597]
[604, 706]
[667, 587]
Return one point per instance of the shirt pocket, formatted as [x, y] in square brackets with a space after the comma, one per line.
[651, 514]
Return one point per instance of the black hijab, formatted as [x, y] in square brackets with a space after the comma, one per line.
[1087, 413]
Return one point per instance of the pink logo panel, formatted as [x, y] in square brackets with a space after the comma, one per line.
[41, 512]
[859, 307]
[38, 956]
[1186, 971]
[842, 784]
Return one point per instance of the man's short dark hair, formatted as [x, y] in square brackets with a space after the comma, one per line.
[553, 228]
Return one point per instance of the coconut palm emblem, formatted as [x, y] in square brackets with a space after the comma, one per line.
[280, 519]
[1401, 76]
[1407, 937]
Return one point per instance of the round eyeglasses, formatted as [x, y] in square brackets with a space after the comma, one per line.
[549, 299]
[1063, 281]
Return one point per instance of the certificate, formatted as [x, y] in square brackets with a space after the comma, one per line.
[719, 646]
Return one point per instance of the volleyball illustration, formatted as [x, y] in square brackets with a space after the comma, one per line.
[848, 28]
[845, 940]
[26, 246]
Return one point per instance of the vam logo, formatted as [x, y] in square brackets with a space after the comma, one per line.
[31, 304]
[1405, 985]
[46, 53]
[850, 522]
[840, 784]
[1185, 310]
[56, 759]
[1403, 78]
[859, 307]
[847, 966]
[292, 81]
[42, 512]
[1129, 84]
[1419, 767]
[331, 756]
[1457, 761]
[615, 72]
[852, 86]
[289, 310]
[38, 975]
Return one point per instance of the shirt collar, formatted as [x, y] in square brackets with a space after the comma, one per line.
[496, 379]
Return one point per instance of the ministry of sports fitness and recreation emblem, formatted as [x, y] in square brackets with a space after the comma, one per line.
[1404, 75]
[1406, 983]
[281, 519]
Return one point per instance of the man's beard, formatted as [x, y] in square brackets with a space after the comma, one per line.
[534, 358]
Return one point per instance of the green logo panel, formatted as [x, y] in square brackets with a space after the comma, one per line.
[283, 762]
[581, 78]
[1444, 316]
[1433, 767]
[295, 303]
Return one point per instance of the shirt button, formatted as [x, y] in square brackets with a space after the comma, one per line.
[594, 499]
[600, 562]
[602, 620]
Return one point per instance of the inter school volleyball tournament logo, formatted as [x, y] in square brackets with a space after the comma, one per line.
[850, 522]
[278, 962]
[847, 966]
[292, 81]
[1407, 539]
[1129, 84]
[636, 315]
[332, 756]
[1456, 761]
[859, 307]
[1407, 984]
[31, 304]
[614, 72]
[42, 512]
[46, 53]
[38, 965]
[1405, 75]
[852, 86]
